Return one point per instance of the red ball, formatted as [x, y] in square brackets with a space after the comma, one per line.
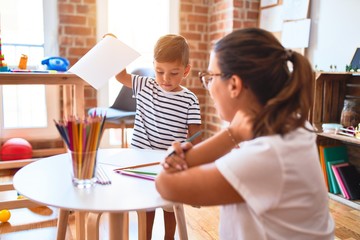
[16, 149]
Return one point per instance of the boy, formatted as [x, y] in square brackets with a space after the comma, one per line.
[165, 111]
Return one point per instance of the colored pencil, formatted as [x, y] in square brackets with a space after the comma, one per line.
[140, 172]
[171, 151]
[138, 166]
[130, 174]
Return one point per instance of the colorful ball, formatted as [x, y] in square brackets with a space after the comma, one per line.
[5, 215]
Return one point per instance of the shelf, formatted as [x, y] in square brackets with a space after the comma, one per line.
[331, 89]
[340, 137]
[351, 203]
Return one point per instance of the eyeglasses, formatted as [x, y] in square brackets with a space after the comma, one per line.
[206, 78]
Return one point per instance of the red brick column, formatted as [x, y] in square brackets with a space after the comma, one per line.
[77, 35]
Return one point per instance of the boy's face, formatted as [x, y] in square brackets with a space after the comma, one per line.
[170, 74]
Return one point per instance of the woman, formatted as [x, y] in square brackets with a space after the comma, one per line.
[264, 168]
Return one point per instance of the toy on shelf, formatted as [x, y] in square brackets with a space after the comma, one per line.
[348, 131]
[3, 65]
[5, 215]
[23, 62]
[15, 149]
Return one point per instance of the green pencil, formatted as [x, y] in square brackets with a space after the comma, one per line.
[140, 172]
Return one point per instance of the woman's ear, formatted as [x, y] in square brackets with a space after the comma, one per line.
[187, 70]
[235, 86]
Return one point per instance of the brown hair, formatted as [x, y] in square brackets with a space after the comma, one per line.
[259, 59]
[172, 48]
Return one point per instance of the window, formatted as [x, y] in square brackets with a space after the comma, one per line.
[139, 24]
[28, 110]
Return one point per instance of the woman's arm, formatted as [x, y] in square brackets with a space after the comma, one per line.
[210, 149]
[201, 186]
[214, 147]
[200, 182]
[187, 156]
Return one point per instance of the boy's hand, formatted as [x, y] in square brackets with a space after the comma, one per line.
[176, 162]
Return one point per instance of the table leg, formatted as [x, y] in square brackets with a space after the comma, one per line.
[141, 225]
[80, 225]
[180, 221]
[78, 100]
[68, 107]
[118, 226]
[73, 100]
[93, 220]
[62, 224]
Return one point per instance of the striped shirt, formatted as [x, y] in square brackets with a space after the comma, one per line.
[161, 117]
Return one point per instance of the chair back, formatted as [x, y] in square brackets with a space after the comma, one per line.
[125, 101]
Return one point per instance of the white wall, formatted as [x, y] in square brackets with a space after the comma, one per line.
[334, 34]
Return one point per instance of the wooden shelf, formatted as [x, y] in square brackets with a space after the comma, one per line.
[15, 163]
[340, 138]
[37, 154]
[331, 89]
[351, 203]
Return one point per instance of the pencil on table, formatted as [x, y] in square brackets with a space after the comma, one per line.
[140, 172]
[138, 166]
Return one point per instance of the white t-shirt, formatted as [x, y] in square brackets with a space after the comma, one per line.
[284, 190]
[162, 117]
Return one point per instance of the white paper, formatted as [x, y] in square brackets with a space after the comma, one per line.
[296, 34]
[107, 58]
[267, 3]
[295, 9]
[271, 19]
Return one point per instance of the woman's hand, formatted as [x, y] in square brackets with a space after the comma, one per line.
[176, 161]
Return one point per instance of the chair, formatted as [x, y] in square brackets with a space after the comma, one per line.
[122, 113]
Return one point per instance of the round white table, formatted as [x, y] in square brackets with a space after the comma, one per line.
[48, 182]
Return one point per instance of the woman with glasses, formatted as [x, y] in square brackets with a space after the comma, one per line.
[263, 169]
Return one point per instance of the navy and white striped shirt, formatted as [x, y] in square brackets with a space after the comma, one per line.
[161, 117]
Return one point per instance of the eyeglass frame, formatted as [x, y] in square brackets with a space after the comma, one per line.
[206, 82]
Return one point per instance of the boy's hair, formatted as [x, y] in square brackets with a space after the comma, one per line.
[261, 62]
[172, 48]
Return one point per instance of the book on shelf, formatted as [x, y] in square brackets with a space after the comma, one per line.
[331, 154]
[339, 180]
[351, 179]
[334, 183]
[322, 164]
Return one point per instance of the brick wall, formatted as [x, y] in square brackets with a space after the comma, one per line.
[77, 35]
[203, 22]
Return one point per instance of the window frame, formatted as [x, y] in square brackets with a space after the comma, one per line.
[52, 93]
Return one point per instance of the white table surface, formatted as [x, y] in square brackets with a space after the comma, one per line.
[48, 181]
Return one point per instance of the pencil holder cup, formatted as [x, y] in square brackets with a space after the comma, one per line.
[83, 168]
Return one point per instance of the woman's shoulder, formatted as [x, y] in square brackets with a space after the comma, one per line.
[297, 140]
